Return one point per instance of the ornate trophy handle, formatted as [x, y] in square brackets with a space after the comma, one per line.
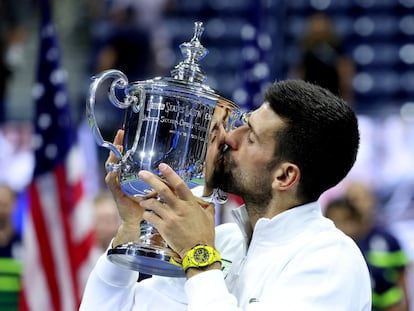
[120, 81]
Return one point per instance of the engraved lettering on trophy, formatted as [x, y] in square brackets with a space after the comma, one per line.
[150, 119]
[163, 119]
[171, 107]
[202, 129]
[186, 124]
[155, 106]
[192, 112]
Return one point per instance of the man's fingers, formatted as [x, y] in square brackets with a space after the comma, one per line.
[176, 182]
[119, 137]
[112, 159]
[210, 208]
[204, 204]
[154, 206]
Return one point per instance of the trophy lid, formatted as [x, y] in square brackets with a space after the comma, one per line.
[189, 69]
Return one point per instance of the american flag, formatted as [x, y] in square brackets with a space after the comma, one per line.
[57, 235]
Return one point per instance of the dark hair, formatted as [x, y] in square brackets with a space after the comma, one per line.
[321, 135]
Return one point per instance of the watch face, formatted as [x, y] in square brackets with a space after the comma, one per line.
[201, 255]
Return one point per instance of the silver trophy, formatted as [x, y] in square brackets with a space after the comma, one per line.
[166, 120]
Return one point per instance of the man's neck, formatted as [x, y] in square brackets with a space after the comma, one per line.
[274, 208]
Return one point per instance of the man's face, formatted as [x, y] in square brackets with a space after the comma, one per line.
[246, 166]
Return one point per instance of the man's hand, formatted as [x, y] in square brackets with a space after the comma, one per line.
[182, 219]
[129, 208]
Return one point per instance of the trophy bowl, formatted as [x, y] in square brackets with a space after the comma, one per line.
[167, 120]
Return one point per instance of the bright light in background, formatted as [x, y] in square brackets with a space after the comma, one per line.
[407, 25]
[363, 54]
[407, 53]
[407, 3]
[320, 4]
[363, 82]
[407, 112]
[364, 26]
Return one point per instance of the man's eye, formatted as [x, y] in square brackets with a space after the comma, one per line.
[249, 139]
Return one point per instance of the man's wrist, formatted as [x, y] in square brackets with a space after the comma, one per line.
[190, 272]
[126, 233]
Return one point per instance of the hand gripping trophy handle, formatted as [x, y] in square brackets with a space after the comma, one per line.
[120, 82]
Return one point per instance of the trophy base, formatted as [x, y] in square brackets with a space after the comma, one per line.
[144, 259]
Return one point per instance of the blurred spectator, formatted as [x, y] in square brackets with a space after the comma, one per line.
[106, 223]
[128, 35]
[106, 220]
[16, 156]
[127, 47]
[10, 252]
[136, 40]
[355, 215]
[323, 61]
[149, 17]
[4, 76]
[12, 36]
[345, 216]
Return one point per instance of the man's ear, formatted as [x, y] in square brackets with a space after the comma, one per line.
[287, 175]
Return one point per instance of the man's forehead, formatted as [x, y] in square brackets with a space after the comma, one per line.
[262, 111]
[263, 107]
[264, 119]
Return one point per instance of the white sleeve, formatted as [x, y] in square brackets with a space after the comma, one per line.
[109, 287]
[208, 291]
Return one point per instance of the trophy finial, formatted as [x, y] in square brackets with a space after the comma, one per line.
[198, 31]
[193, 51]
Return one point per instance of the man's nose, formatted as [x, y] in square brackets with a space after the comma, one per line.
[230, 138]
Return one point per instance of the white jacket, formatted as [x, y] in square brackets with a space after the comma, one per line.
[296, 261]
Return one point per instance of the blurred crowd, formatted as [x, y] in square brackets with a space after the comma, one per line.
[132, 36]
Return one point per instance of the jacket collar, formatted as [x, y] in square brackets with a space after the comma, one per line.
[281, 227]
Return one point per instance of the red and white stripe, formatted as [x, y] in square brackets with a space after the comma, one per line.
[58, 239]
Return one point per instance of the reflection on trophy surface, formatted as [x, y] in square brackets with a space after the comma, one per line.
[167, 120]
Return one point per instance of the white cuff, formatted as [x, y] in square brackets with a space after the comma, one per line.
[113, 274]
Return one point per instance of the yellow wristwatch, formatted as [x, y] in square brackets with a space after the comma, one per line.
[200, 256]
